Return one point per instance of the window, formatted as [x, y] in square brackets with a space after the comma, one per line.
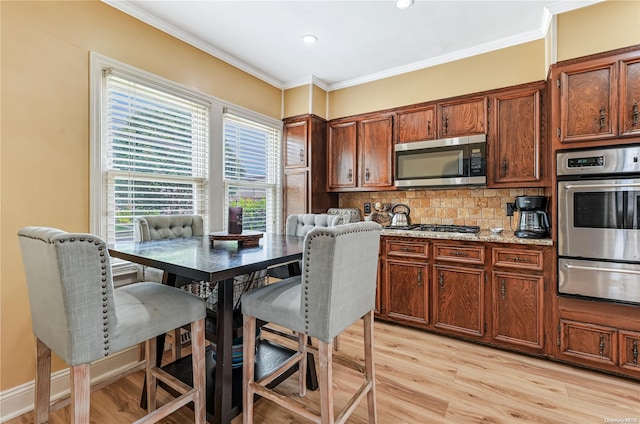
[154, 153]
[161, 148]
[252, 172]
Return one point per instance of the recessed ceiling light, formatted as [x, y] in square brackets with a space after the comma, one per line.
[309, 38]
[404, 4]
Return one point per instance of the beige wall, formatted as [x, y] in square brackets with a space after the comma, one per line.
[502, 68]
[45, 128]
[604, 26]
[296, 101]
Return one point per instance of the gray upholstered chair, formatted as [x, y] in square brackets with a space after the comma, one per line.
[160, 227]
[77, 313]
[336, 288]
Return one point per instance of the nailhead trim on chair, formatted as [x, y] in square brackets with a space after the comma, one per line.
[104, 286]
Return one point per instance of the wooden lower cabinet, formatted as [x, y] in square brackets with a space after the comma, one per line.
[629, 347]
[407, 291]
[588, 342]
[458, 301]
[518, 310]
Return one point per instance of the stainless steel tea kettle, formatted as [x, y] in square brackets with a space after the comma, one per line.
[400, 215]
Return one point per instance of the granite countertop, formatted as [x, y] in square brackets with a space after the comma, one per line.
[483, 235]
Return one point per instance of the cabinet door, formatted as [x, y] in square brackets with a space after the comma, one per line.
[630, 97]
[462, 117]
[295, 144]
[342, 155]
[416, 125]
[295, 192]
[515, 139]
[588, 342]
[407, 291]
[517, 309]
[629, 348]
[588, 103]
[375, 141]
[459, 299]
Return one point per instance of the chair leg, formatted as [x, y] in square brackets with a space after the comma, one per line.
[302, 365]
[325, 378]
[369, 367]
[150, 347]
[199, 370]
[80, 394]
[336, 343]
[248, 369]
[43, 383]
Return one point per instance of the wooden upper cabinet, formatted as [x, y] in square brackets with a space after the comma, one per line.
[342, 155]
[462, 117]
[516, 149]
[588, 102]
[416, 125]
[630, 97]
[295, 144]
[375, 141]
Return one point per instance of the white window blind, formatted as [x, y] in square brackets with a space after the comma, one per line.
[252, 172]
[155, 156]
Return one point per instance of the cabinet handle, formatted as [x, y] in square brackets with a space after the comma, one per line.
[445, 124]
[419, 278]
[350, 175]
[429, 122]
[301, 154]
[503, 289]
[602, 345]
[635, 114]
[366, 174]
[441, 280]
[459, 253]
[504, 165]
[635, 352]
[405, 248]
[517, 259]
[602, 117]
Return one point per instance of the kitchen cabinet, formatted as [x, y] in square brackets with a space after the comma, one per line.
[459, 289]
[417, 124]
[517, 147]
[518, 294]
[600, 335]
[596, 99]
[304, 177]
[405, 283]
[462, 117]
[360, 154]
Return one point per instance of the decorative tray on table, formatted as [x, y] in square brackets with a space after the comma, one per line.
[247, 238]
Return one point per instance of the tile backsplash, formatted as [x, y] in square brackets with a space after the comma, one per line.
[465, 206]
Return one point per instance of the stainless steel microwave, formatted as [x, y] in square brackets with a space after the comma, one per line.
[445, 162]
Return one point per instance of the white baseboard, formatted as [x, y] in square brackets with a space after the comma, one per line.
[19, 400]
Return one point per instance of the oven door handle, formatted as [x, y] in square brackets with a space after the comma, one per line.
[602, 185]
[594, 268]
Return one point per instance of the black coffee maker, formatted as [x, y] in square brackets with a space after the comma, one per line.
[533, 221]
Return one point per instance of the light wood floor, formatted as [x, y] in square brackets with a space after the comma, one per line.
[423, 378]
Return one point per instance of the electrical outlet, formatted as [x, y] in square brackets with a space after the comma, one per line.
[511, 207]
[367, 207]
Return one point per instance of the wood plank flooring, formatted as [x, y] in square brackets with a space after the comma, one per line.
[424, 378]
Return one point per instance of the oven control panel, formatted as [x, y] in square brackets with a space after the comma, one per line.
[599, 161]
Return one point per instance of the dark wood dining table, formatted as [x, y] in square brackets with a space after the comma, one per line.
[199, 259]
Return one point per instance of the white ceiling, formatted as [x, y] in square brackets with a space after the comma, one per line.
[358, 41]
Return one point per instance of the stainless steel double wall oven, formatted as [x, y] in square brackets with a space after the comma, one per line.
[599, 223]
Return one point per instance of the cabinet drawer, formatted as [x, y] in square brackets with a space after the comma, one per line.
[519, 259]
[459, 253]
[414, 249]
[629, 348]
[590, 342]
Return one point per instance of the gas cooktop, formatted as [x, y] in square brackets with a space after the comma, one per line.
[440, 228]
